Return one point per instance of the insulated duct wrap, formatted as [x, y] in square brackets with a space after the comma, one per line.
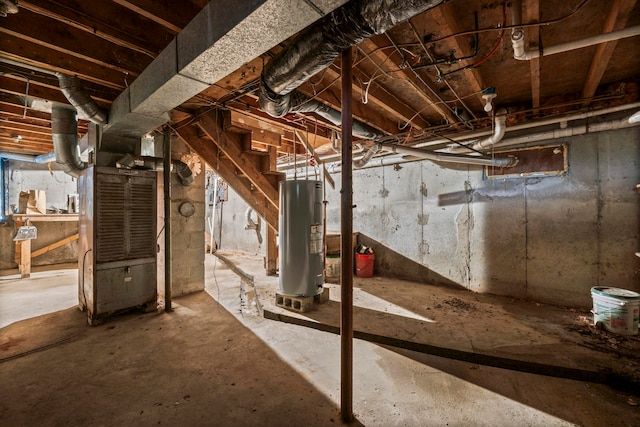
[316, 48]
[321, 43]
[334, 116]
[382, 15]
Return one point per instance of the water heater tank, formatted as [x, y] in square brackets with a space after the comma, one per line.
[301, 238]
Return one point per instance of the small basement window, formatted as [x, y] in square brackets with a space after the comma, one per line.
[533, 161]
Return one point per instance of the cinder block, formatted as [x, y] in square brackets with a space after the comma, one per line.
[322, 297]
[299, 304]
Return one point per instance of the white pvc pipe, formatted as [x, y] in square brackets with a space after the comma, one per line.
[539, 123]
[367, 156]
[499, 130]
[550, 136]
[453, 158]
[517, 40]
[565, 133]
[393, 159]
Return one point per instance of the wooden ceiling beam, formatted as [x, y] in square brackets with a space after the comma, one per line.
[616, 20]
[12, 144]
[29, 53]
[331, 97]
[12, 116]
[9, 132]
[106, 20]
[445, 15]
[530, 15]
[26, 150]
[57, 36]
[98, 92]
[16, 112]
[174, 17]
[17, 127]
[234, 122]
[34, 84]
[383, 98]
[250, 123]
[372, 49]
[262, 120]
[18, 88]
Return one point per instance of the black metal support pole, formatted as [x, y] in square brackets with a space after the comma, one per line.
[346, 249]
[166, 167]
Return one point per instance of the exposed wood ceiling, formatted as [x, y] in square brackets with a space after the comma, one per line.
[397, 89]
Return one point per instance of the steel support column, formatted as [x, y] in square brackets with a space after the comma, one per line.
[167, 218]
[346, 250]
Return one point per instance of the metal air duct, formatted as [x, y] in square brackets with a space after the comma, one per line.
[157, 164]
[332, 115]
[74, 91]
[64, 123]
[64, 132]
[7, 7]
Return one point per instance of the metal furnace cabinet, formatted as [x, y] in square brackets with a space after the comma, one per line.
[117, 246]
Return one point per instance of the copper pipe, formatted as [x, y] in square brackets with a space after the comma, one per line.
[346, 247]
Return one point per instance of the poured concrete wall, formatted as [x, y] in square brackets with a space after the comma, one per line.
[549, 239]
[234, 235]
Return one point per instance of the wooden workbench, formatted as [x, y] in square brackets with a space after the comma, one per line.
[23, 247]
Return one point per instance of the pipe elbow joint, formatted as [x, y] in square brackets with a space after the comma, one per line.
[517, 41]
[184, 172]
[513, 161]
[367, 156]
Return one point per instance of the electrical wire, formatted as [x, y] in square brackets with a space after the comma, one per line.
[441, 102]
[488, 55]
[84, 295]
[509, 27]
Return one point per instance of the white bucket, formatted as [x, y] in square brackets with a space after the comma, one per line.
[617, 309]
[332, 267]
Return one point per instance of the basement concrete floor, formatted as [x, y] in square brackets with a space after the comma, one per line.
[210, 363]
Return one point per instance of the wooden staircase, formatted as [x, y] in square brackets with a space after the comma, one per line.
[228, 150]
[252, 174]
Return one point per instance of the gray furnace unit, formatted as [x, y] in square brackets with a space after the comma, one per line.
[301, 238]
[117, 247]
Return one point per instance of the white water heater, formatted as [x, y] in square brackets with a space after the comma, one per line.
[301, 238]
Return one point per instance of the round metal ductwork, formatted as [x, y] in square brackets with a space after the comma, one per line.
[8, 6]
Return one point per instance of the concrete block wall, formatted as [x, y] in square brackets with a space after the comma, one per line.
[187, 233]
[548, 238]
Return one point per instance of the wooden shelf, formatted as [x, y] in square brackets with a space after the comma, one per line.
[45, 218]
[23, 247]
